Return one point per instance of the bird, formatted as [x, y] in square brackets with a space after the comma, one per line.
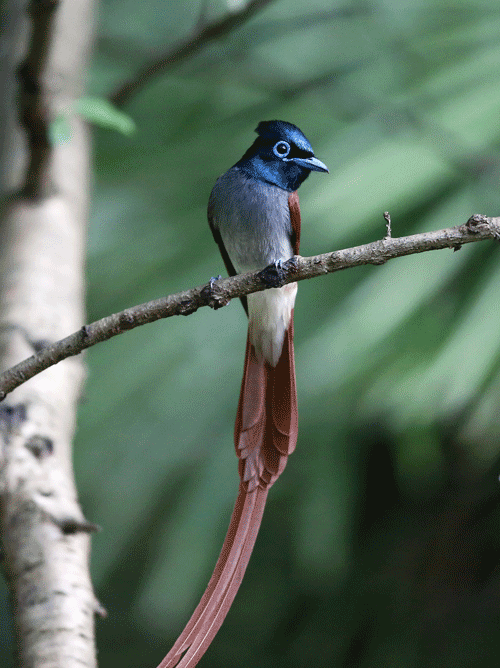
[254, 215]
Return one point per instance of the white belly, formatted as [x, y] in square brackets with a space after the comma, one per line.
[269, 314]
[253, 219]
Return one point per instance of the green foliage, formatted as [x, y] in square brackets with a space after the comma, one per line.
[95, 110]
[380, 542]
[102, 113]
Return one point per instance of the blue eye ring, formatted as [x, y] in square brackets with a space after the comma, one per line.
[281, 149]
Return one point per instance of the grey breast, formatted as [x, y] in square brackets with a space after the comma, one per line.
[253, 219]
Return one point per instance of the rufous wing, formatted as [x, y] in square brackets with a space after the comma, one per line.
[294, 208]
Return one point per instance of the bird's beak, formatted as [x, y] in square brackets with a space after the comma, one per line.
[313, 164]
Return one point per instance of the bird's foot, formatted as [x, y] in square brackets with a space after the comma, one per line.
[275, 274]
[214, 297]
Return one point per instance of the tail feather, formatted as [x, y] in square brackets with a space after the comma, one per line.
[266, 426]
[223, 598]
[283, 404]
[223, 571]
[265, 434]
[250, 423]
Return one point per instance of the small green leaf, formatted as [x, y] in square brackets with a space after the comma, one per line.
[99, 111]
[59, 130]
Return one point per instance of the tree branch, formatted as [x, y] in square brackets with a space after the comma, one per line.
[218, 293]
[202, 36]
[33, 106]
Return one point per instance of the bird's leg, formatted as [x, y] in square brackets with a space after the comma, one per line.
[216, 299]
[275, 274]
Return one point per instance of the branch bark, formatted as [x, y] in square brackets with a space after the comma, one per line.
[203, 34]
[45, 537]
[218, 293]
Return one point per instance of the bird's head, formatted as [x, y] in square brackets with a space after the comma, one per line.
[281, 155]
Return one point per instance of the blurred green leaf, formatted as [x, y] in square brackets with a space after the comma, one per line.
[100, 112]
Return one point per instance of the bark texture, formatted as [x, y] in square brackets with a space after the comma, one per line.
[45, 537]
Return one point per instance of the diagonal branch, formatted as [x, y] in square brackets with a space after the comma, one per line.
[195, 42]
[218, 293]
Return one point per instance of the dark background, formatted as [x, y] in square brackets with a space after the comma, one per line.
[380, 543]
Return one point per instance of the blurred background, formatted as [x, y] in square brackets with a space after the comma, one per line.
[380, 544]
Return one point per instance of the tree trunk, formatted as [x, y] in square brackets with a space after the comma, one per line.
[45, 537]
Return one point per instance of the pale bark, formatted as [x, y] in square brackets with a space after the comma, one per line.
[45, 538]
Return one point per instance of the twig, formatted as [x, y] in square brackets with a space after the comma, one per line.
[217, 293]
[387, 218]
[203, 35]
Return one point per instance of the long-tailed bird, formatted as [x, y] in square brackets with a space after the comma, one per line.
[254, 216]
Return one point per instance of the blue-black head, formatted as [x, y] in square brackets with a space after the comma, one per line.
[280, 155]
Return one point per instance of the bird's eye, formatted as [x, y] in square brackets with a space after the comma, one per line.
[281, 149]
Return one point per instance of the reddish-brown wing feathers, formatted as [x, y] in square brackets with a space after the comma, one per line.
[293, 205]
[265, 434]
